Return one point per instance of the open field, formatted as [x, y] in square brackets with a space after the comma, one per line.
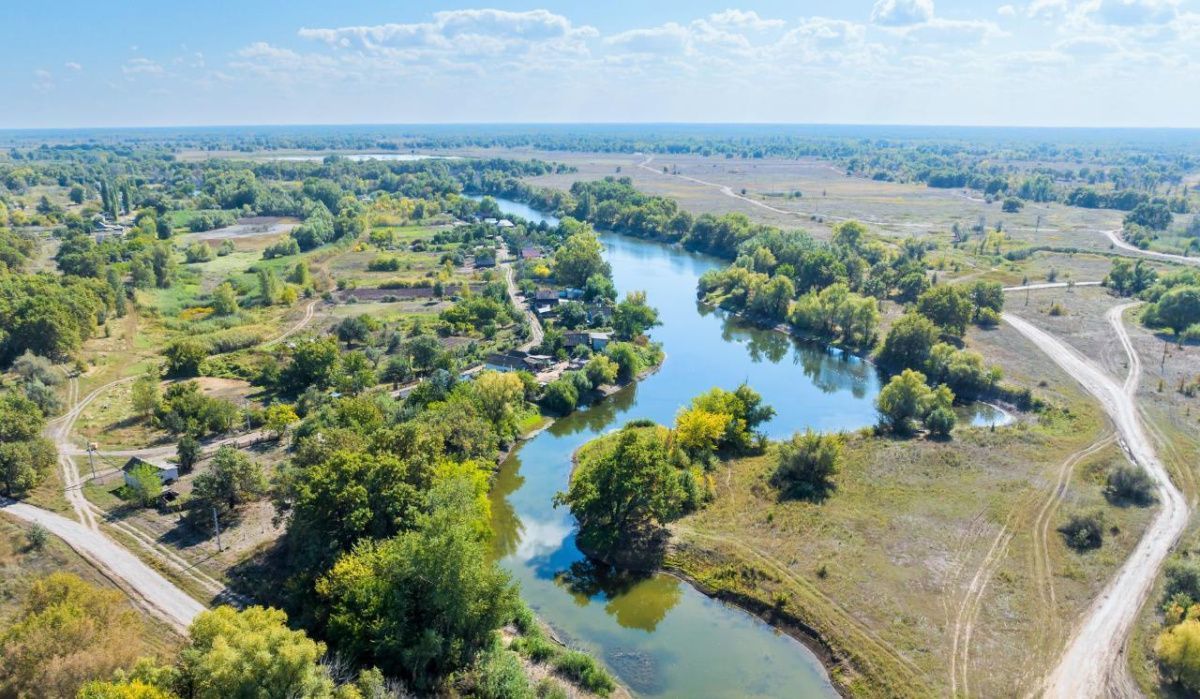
[827, 196]
[932, 547]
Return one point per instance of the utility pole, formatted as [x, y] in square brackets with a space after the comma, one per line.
[92, 458]
[217, 527]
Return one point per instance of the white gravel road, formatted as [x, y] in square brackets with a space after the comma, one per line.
[1093, 663]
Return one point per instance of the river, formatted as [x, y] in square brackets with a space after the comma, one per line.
[659, 635]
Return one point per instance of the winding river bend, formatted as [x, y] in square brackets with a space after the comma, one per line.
[658, 634]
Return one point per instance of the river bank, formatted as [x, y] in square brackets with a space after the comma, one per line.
[659, 635]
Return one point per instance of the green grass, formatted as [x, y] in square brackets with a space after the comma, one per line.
[879, 568]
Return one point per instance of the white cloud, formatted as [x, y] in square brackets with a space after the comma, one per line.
[1084, 46]
[1132, 13]
[745, 20]
[1006, 11]
[141, 66]
[669, 38]
[949, 31]
[72, 65]
[43, 80]
[901, 13]
[1046, 8]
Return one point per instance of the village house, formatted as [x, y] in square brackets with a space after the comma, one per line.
[516, 360]
[167, 472]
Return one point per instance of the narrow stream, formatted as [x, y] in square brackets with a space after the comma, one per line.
[659, 635]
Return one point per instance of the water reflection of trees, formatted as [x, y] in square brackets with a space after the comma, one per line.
[597, 416]
[506, 523]
[830, 369]
[635, 600]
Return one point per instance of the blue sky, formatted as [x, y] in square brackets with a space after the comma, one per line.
[1036, 62]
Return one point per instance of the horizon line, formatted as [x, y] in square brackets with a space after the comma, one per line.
[784, 124]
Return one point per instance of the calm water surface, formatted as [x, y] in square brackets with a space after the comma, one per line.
[659, 635]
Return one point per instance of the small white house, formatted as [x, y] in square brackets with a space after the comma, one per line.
[167, 472]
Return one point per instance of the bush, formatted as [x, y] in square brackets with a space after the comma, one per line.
[37, 537]
[1129, 484]
[502, 677]
[1083, 531]
[384, 263]
[940, 421]
[285, 247]
[1182, 578]
[581, 669]
[1178, 649]
[806, 463]
[198, 252]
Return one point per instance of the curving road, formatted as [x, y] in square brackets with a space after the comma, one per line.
[144, 584]
[1115, 237]
[1093, 663]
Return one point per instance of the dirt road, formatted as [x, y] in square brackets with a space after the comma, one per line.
[1050, 285]
[535, 326]
[145, 585]
[1093, 663]
[1119, 242]
[300, 325]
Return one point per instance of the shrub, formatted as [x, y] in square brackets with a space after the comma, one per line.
[581, 669]
[384, 263]
[37, 537]
[1178, 649]
[1182, 578]
[502, 677]
[1129, 484]
[940, 421]
[806, 463]
[285, 247]
[1083, 531]
[198, 252]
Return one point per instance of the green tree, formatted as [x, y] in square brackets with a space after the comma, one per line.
[633, 316]
[225, 299]
[145, 484]
[578, 258]
[907, 397]
[1177, 309]
[268, 286]
[25, 456]
[1178, 649]
[184, 357]
[948, 306]
[314, 363]
[421, 605]
[162, 262]
[561, 396]
[624, 492]
[65, 633]
[771, 299]
[144, 394]
[1153, 214]
[499, 396]
[849, 234]
[345, 497]
[629, 362]
[280, 416]
[601, 370]
[187, 451]
[908, 343]
[251, 653]
[806, 464]
[231, 480]
[300, 274]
